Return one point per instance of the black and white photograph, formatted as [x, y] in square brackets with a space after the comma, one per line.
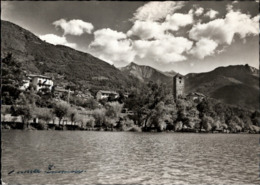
[130, 92]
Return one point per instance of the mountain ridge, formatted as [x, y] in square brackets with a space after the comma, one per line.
[146, 73]
[234, 84]
[78, 67]
[237, 84]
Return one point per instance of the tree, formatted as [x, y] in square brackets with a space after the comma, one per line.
[158, 116]
[25, 111]
[100, 116]
[23, 108]
[216, 125]
[12, 79]
[90, 103]
[170, 115]
[232, 126]
[205, 107]
[44, 114]
[235, 124]
[247, 121]
[61, 110]
[143, 101]
[73, 115]
[90, 123]
[207, 122]
[113, 109]
[255, 117]
[178, 126]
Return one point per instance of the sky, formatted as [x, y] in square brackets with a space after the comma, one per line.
[183, 36]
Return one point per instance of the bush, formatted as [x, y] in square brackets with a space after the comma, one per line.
[224, 126]
[90, 123]
[207, 122]
[135, 128]
[61, 110]
[254, 129]
[44, 114]
[110, 123]
[178, 126]
[25, 111]
[100, 116]
[42, 125]
[216, 125]
[113, 109]
[91, 104]
[232, 126]
[73, 115]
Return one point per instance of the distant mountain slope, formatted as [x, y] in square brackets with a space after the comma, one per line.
[237, 85]
[233, 84]
[146, 73]
[40, 57]
[170, 73]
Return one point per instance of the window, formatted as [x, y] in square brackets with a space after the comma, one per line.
[180, 81]
[180, 78]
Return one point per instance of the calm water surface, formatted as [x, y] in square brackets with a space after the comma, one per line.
[130, 158]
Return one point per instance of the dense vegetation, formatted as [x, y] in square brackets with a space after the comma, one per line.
[151, 108]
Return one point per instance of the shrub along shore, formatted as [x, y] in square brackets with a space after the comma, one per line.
[117, 128]
[152, 111]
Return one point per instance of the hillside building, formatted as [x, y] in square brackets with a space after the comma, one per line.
[26, 84]
[196, 96]
[38, 81]
[106, 94]
[41, 81]
[60, 92]
[178, 86]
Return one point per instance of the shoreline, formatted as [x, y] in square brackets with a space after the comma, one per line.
[54, 127]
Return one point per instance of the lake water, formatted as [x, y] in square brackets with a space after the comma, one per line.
[130, 158]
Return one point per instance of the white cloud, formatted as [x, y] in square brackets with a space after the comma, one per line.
[152, 29]
[199, 11]
[229, 7]
[215, 30]
[212, 14]
[167, 49]
[146, 29]
[112, 46]
[173, 22]
[223, 30]
[242, 23]
[74, 27]
[204, 47]
[57, 40]
[155, 11]
[115, 48]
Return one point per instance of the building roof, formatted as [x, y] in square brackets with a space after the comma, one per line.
[199, 94]
[178, 75]
[40, 76]
[60, 89]
[108, 92]
[196, 94]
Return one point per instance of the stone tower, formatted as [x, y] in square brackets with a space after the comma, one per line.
[178, 86]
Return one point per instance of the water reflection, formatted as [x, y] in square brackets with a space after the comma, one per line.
[120, 157]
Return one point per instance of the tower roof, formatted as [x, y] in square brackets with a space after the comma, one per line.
[178, 75]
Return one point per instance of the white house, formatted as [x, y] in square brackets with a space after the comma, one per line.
[105, 94]
[39, 81]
